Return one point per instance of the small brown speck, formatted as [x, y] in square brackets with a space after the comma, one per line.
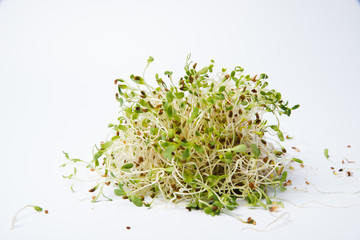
[93, 197]
[128, 227]
[349, 174]
[348, 146]
[46, 211]
[251, 221]
[273, 208]
[252, 185]
[295, 149]
[302, 165]
[332, 168]
[307, 183]
[340, 170]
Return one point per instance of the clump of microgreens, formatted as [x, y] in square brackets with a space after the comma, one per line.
[202, 140]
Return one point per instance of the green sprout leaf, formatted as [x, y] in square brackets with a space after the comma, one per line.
[280, 135]
[239, 148]
[326, 153]
[136, 200]
[198, 148]
[150, 60]
[126, 167]
[106, 145]
[283, 177]
[169, 96]
[186, 154]
[168, 151]
[297, 160]
[118, 192]
[188, 177]
[295, 107]
[179, 95]
[66, 155]
[37, 208]
[169, 169]
[96, 157]
[203, 70]
[195, 112]
[221, 89]
[228, 157]
[255, 150]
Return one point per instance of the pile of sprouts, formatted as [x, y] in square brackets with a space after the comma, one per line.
[201, 140]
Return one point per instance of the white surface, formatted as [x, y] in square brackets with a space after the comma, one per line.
[58, 60]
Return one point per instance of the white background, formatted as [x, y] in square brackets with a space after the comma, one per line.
[58, 61]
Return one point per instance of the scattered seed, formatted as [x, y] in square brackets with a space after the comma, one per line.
[251, 221]
[273, 208]
[296, 149]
